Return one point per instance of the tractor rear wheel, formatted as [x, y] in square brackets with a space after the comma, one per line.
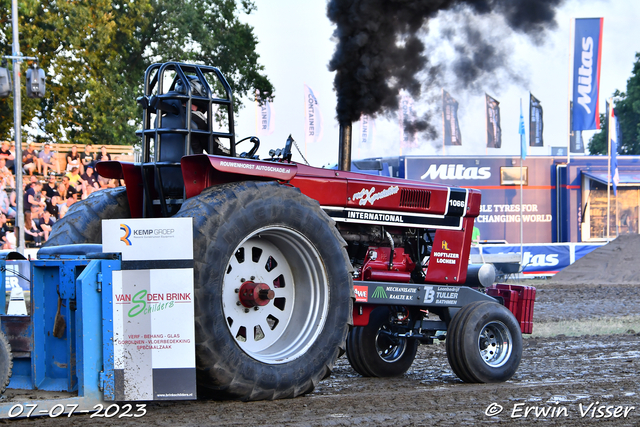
[6, 362]
[374, 351]
[484, 343]
[83, 221]
[273, 291]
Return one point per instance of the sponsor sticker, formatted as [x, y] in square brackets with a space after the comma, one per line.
[361, 293]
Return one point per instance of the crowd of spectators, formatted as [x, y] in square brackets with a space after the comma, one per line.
[48, 191]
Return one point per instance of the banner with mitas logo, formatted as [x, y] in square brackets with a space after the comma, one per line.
[587, 55]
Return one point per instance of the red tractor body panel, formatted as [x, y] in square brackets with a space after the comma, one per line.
[350, 197]
[347, 197]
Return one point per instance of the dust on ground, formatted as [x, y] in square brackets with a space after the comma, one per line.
[617, 262]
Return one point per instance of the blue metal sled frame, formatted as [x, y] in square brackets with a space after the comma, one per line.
[81, 361]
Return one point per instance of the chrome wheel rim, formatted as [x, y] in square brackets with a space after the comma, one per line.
[290, 323]
[495, 344]
[389, 349]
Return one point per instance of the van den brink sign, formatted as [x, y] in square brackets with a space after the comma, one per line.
[154, 336]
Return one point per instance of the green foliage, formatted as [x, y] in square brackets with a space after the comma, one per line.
[627, 107]
[598, 144]
[95, 53]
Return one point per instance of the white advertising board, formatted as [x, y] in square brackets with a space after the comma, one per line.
[153, 306]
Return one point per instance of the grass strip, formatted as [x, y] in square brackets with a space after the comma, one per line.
[594, 326]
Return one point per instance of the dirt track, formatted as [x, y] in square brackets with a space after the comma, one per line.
[559, 372]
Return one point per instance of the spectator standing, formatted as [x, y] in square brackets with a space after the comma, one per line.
[47, 160]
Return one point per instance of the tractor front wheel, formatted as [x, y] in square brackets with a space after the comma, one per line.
[484, 343]
[273, 291]
[376, 350]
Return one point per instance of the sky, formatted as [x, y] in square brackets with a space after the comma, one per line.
[296, 45]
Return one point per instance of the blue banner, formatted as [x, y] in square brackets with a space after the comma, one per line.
[541, 260]
[537, 259]
[586, 73]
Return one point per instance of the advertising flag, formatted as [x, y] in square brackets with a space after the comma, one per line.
[312, 117]
[265, 116]
[494, 133]
[535, 122]
[613, 147]
[451, 132]
[576, 144]
[587, 54]
[367, 129]
[408, 137]
[523, 140]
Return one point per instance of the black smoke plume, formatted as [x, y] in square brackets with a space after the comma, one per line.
[380, 48]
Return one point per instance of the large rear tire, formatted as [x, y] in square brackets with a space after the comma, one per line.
[268, 235]
[83, 221]
[6, 362]
[373, 350]
[484, 343]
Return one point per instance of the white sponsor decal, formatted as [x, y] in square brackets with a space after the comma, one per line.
[429, 294]
[456, 172]
[585, 74]
[446, 254]
[366, 216]
[369, 195]
[399, 289]
[263, 168]
[540, 260]
[513, 218]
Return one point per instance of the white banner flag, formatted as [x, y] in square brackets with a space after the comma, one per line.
[265, 116]
[406, 115]
[367, 130]
[312, 117]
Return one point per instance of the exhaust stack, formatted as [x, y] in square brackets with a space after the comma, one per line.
[344, 149]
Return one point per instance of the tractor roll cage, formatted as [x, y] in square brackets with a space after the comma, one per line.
[154, 102]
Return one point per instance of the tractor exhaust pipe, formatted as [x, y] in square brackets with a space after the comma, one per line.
[344, 149]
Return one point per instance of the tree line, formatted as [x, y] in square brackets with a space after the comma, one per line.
[627, 110]
[94, 54]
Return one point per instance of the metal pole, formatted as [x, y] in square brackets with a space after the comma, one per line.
[17, 121]
[570, 89]
[608, 183]
[344, 153]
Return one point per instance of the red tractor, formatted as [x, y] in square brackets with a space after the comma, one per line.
[294, 265]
